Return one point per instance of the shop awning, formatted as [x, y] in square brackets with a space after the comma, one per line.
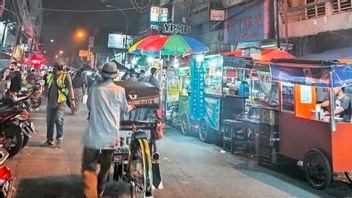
[268, 55]
[308, 72]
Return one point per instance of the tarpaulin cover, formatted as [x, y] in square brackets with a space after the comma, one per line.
[143, 95]
[312, 74]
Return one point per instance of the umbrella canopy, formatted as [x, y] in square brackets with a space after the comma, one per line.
[168, 45]
[274, 53]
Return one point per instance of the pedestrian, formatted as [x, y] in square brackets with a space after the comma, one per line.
[78, 88]
[4, 82]
[142, 77]
[31, 77]
[105, 103]
[60, 91]
[133, 76]
[152, 79]
[155, 82]
[15, 80]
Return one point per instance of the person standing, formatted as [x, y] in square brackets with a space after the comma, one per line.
[106, 102]
[152, 79]
[15, 80]
[78, 88]
[133, 76]
[4, 82]
[142, 77]
[60, 91]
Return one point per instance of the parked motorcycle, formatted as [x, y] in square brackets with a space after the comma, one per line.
[36, 96]
[6, 176]
[15, 126]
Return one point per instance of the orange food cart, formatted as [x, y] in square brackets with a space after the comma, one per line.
[322, 145]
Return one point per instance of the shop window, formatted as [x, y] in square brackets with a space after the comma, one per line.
[341, 5]
[315, 8]
[287, 97]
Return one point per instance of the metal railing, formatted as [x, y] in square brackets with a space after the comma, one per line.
[341, 6]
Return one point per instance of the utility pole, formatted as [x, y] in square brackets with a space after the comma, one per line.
[277, 23]
[286, 23]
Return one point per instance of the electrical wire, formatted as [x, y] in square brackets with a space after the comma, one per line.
[85, 11]
[97, 10]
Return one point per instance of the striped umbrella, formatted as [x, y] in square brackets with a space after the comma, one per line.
[168, 45]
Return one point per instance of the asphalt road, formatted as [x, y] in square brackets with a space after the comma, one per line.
[189, 168]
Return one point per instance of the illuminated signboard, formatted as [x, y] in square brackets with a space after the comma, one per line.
[158, 15]
[117, 41]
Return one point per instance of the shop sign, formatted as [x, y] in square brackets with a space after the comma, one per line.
[158, 14]
[197, 103]
[118, 41]
[248, 22]
[229, 3]
[91, 42]
[83, 53]
[217, 15]
[172, 28]
[231, 73]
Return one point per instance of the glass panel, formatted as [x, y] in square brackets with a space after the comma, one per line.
[287, 97]
[213, 75]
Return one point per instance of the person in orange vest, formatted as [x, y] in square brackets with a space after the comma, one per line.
[60, 91]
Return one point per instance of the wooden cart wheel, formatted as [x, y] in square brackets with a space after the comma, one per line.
[185, 124]
[349, 177]
[203, 130]
[317, 169]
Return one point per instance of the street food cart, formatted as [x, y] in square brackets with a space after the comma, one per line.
[184, 76]
[322, 145]
[223, 93]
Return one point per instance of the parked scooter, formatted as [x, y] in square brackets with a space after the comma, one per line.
[36, 96]
[6, 176]
[15, 126]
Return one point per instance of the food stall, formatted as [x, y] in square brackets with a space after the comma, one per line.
[184, 76]
[321, 144]
[225, 89]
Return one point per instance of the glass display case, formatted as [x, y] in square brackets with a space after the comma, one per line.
[213, 74]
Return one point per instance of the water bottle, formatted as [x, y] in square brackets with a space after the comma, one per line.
[244, 89]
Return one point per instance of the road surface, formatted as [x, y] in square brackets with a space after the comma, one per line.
[189, 168]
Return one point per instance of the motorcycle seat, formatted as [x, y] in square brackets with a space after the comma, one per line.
[7, 110]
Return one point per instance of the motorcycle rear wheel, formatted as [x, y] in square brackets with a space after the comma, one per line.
[11, 139]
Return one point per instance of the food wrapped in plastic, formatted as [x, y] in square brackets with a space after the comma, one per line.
[141, 94]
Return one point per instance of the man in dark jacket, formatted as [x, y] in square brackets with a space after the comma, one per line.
[78, 89]
[15, 79]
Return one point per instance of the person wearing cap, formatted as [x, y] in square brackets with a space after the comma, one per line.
[15, 79]
[106, 101]
[60, 91]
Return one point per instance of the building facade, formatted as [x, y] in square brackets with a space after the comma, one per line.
[315, 26]
[20, 28]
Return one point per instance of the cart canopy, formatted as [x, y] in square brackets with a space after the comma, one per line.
[141, 94]
[316, 73]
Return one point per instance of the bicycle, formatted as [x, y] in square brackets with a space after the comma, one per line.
[132, 160]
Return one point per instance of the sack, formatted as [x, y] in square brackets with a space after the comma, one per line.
[85, 99]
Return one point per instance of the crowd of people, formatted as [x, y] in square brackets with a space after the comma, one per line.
[62, 88]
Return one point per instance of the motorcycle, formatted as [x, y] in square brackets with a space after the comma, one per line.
[36, 96]
[15, 126]
[6, 176]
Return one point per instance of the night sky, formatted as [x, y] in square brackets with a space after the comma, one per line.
[60, 26]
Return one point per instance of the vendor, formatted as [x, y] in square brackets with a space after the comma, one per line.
[343, 105]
